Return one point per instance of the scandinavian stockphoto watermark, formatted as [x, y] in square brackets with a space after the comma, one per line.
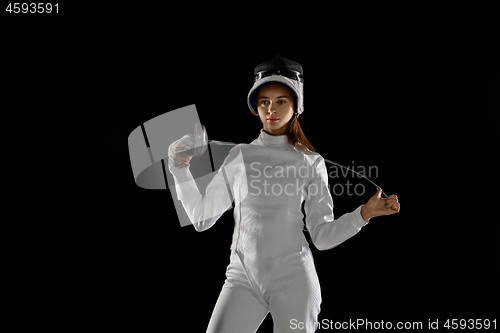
[328, 324]
[291, 180]
[365, 324]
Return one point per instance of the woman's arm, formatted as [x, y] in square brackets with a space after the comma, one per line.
[203, 211]
[326, 231]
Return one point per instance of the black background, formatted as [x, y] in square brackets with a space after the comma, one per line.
[419, 101]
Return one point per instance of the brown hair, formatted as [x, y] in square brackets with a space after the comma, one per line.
[296, 136]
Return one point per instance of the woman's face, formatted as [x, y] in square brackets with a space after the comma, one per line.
[276, 107]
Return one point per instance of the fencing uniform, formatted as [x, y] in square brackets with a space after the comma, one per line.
[271, 266]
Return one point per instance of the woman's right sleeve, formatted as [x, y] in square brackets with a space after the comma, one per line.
[204, 211]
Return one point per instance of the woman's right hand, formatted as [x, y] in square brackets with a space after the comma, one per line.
[181, 151]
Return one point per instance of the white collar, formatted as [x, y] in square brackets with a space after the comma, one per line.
[273, 140]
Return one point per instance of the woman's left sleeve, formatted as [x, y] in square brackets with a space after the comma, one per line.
[326, 231]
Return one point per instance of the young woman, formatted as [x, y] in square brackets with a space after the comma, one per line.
[271, 266]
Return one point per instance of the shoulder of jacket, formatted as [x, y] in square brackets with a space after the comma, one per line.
[313, 158]
[304, 150]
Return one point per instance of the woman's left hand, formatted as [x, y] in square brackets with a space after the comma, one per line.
[378, 206]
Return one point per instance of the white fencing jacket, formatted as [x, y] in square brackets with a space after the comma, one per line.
[268, 180]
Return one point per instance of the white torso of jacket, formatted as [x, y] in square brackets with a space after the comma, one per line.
[269, 180]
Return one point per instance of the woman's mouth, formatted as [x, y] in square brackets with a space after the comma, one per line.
[272, 120]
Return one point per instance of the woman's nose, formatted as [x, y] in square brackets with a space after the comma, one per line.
[271, 109]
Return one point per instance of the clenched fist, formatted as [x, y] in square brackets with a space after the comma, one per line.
[378, 206]
[180, 152]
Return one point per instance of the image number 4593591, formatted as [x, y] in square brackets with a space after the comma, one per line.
[32, 8]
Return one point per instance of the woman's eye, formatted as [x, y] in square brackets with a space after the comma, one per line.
[281, 102]
[264, 102]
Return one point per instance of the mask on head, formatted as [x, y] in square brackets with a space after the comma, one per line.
[282, 70]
